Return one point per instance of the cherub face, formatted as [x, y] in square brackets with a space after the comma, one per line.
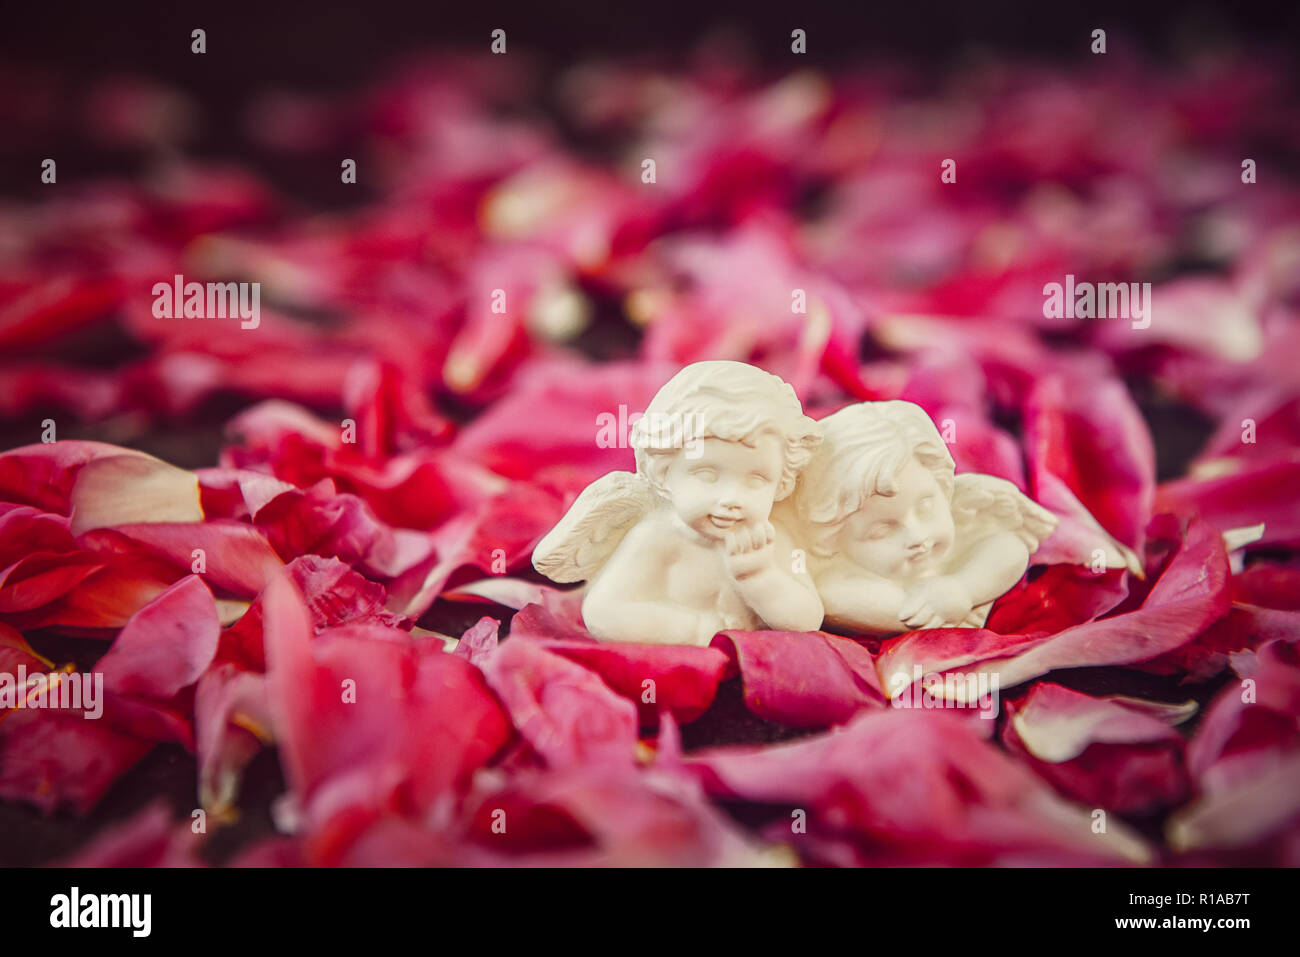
[726, 485]
[902, 536]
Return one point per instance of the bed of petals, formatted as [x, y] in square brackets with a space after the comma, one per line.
[399, 446]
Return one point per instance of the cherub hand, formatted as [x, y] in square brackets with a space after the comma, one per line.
[748, 549]
[935, 603]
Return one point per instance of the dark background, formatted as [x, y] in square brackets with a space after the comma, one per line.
[322, 44]
[51, 53]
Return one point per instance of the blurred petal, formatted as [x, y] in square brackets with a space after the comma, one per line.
[1091, 461]
[916, 787]
[1116, 753]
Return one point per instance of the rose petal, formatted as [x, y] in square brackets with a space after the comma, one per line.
[232, 723]
[44, 475]
[166, 645]
[479, 641]
[231, 556]
[1056, 724]
[122, 489]
[804, 679]
[901, 786]
[366, 724]
[565, 712]
[52, 759]
[149, 838]
[1190, 595]
[1092, 462]
[1249, 494]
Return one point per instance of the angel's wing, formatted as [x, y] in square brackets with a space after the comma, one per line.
[576, 548]
[983, 504]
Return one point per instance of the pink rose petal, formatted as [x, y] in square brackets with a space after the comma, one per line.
[804, 679]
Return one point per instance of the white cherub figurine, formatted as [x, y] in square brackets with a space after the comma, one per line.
[683, 548]
[897, 541]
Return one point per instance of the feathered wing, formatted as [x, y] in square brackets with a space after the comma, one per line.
[984, 504]
[576, 548]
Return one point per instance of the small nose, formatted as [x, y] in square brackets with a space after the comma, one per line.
[728, 497]
[915, 535]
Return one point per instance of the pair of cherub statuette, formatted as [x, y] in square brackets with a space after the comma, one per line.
[743, 513]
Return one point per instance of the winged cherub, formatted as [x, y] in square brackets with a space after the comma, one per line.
[683, 548]
[899, 542]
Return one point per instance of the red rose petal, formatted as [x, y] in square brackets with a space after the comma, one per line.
[804, 679]
[1102, 752]
[1190, 595]
[166, 645]
[53, 759]
[1091, 461]
[149, 838]
[915, 787]
[363, 725]
[231, 556]
[565, 712]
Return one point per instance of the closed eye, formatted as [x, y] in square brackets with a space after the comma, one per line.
[705, 474]
[759, 479]
[881, 530]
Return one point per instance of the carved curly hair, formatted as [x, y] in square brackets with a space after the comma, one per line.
[726, 400]
[866, 447]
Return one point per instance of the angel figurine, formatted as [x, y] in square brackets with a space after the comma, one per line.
[897, 541]
[683, 548]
